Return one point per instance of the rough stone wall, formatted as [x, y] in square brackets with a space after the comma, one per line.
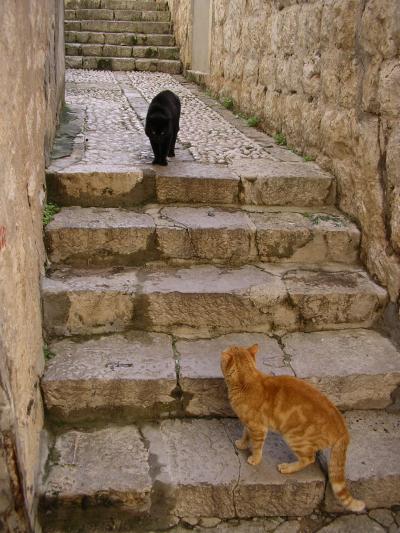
[31, 94]
[326, 73]
[181, 16]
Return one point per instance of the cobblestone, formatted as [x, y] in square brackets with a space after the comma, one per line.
[114, 107]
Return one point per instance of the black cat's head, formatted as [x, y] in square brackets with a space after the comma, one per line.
[158, 127]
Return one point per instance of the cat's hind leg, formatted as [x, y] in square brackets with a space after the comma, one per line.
[257, 437]
[243, 443]
[305, 456]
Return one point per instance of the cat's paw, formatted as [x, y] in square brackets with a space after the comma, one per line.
[240, 445]
[161, 163]
[285, 468]
[254, 460]
[171, 154]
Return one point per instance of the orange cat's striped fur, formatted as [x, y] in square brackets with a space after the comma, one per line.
[306, 418]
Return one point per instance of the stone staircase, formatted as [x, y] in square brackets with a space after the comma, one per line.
[120, 35]
[153, 272]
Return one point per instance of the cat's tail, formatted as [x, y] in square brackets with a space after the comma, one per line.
[337, 478]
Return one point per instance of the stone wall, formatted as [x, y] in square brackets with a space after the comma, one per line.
[31, 94]
[326, 73]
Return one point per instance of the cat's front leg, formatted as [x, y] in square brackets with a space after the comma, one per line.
[257, 437]
[243, 443]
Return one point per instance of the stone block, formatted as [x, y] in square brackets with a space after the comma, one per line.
[100, 186]
[356, 369]
[98, 236]
[94, 14]
[106, 469]
[205, 233]
[196, 183]
[115, 377]
[266, 182]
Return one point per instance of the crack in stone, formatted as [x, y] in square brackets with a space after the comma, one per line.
[235, 488]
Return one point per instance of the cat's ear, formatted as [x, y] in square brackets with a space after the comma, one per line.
[253, 351]
[227, 359]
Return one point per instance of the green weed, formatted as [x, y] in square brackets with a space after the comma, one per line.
[280, 139]
[253, 122]
[49, 211]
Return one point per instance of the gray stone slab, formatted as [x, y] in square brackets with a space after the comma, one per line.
[332, 299]
[115, 376]
[100, 236]
[210, 478]
[100, 185]
[207, 300]
[205, 233]
[106, 469]
[267, 182]
[197, 183]
[373, 466]
[200, 373]
[356, 369]
[308, 237]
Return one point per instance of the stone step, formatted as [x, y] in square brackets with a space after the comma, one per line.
[117, 14]
[124, 63]
[296, 184]
[118, 26]
[207, 300]
[109, 50]
[134, 375]
[181, 468]
[121, 39]
[136, 5]
[110, 236]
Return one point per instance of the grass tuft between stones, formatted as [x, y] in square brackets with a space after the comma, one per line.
[49, 210]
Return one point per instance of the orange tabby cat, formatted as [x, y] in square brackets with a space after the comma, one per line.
[306, 418]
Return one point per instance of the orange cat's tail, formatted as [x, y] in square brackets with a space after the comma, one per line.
[337, 465]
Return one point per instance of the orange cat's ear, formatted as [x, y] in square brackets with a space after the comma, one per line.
[253, 351]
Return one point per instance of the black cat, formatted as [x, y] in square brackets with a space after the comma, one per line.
[162, 125]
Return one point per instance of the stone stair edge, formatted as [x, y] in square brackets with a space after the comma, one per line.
[198, 463]
[186, 379]
[261, 298]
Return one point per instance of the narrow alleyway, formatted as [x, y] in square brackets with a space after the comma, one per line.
[152, 272]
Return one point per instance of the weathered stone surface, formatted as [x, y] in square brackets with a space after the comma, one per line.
[100, 186]
[326, 76]
[99, 236]
[195, 182]
[373, 468]
[356, 369]
[200, 464]
[31, 96]
[119, 26]
[383, 516]
[353, 297]
[205, 233]
[352, 524]
[202, 300]
[267, 182]
[200, 374]
[107, 469]
[305, 237]
[114, 376]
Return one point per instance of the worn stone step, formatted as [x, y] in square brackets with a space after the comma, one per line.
[130, 376]
[172, 469]
[181, 468]
[136, 5]
[133, 375]
[124, 63]
[117, 14]
[109, 236]
[121, 39]
[207, 300]
[109, 50]
[373, 466]
[118, 186]
[356, 369]
[118, 26]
